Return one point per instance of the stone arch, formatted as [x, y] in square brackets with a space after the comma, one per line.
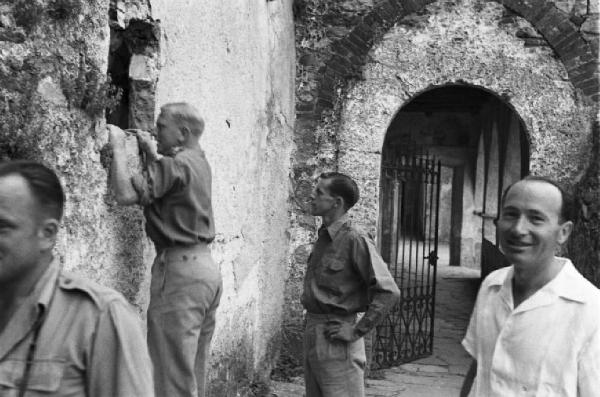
[349, 54]
[482, 144]
[399, 69]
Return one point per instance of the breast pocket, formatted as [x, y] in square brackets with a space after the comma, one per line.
[45, 377]
[334, 264]
[331, 275]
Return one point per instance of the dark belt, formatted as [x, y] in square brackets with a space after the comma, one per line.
[330, 316]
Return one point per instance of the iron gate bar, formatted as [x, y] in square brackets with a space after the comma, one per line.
[410, 188]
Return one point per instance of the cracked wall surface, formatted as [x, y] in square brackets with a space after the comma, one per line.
[351, 81]
[234, 61]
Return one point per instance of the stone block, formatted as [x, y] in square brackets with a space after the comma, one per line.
[143, 68]
[591, 25]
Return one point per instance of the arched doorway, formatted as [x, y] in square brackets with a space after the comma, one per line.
[452, 150]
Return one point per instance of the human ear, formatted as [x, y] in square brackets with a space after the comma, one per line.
[47, 233]
[184, 134]
[565, 231]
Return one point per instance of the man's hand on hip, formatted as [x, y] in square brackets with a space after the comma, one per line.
[340, 330]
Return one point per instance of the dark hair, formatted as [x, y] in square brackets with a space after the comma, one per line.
[343, 186]
[42, 181]
[567, 207]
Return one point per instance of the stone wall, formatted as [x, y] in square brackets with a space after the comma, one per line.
[235, 62]
[360, 61]
[53, 63]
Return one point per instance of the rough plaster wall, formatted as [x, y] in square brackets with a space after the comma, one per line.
[462, 42]
[234, 61]
[53, 58]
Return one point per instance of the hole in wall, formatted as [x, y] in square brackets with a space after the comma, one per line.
[133, 68]
[119, 59]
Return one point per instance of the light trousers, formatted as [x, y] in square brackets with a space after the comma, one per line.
[332, 368]
[185, 291]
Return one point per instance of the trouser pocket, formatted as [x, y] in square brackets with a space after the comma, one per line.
[329, 350]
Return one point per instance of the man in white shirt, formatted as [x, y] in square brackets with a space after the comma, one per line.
[535, 329]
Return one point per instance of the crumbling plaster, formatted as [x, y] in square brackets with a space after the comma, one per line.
[235, 62]
[335, 40]
[53, 59]
[462, 43]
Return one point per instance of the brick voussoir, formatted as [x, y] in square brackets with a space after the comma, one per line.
[537, 12]
[589, 84]
[331, 74]
[327, 83]
[573, 61]
[305, 107]
[386, 12]
[590, 90]
[339, 48]
[586, 68]
[413, 5]
[339, 64]
[397, 6]
[565, 43]
[322, 104]
[549, 26]
[326, 95]
[365, 33]
[363, 46]
[353, 46]
[372, 19]
[356, 60]
[576, 51]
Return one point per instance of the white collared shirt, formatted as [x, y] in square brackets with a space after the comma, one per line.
[548, 346]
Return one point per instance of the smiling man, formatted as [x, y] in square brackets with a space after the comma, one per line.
[535, 329]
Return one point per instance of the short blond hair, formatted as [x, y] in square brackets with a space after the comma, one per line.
[185, 115]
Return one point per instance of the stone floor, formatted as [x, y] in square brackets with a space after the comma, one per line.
[441, 374]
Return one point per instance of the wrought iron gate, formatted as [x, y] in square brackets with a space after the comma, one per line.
[410, 194]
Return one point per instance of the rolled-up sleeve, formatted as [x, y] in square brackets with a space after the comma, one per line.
[382, 289]
[119, 361]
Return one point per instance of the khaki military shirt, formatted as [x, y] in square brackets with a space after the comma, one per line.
[176, 195]
[346, 275]
[90, 343]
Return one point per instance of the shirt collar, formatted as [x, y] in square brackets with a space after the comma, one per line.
[566, 284]
[336, 226]
[30, 310]
[46, 284]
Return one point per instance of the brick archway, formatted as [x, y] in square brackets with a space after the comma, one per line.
[349, 54]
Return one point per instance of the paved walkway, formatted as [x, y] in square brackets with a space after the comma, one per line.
[441, 374]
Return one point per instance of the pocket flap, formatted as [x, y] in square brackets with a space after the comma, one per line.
[335, 264]
[45, 375]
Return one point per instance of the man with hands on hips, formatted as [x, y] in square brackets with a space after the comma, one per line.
[345, 277]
